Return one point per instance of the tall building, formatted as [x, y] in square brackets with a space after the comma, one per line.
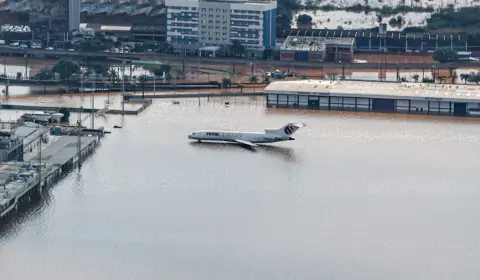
[73, 15]
[194, 23]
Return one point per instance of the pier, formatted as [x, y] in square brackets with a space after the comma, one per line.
[22, 181]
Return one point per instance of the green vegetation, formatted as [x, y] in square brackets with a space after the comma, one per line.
[158, 70]
[254, 81]
[96, 44]
[98, 68]
[396, 21]
[64, 68]
[66, 114]
[237, 48]
[304, 19]
[226, 83]
[19, 75]
[471, 78]
[445, 55]
[415, 77]
[463, 19]
[160, 47]
[240, 86]
[428, 80]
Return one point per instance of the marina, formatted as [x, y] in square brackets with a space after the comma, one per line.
[380, 97]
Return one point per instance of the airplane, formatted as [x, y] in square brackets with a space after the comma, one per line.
[250, 139]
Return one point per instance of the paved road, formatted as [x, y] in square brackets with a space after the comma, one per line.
[228, 61]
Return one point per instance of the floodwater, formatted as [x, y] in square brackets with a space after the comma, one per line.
[356, 196]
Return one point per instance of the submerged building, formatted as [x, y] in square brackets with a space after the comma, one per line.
[384, 97]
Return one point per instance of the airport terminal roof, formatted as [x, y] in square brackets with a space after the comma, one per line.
[301, 43]
[389, 90]
[62, 149]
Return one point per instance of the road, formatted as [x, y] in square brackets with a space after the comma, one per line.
[169, 58]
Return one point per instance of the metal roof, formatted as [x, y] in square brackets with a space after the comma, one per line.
[372, 34]
[389, 90]
[304, 43]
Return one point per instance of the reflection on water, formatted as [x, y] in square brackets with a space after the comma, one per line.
[285, 153]
[354, 196]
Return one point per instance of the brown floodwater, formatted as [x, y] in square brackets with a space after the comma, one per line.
[355, 196]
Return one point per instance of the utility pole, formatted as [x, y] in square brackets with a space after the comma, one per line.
[93, 101]
[79, 138]
[40, 165]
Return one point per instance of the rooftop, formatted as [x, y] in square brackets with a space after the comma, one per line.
[302, 43]
[62, 149]
[419, 91]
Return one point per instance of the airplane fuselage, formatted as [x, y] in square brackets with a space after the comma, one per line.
[234, 136]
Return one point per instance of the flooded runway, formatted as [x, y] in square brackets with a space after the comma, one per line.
[355, 196]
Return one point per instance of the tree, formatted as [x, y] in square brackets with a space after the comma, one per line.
[415, 77]
[304, 77]
[98, 68]
[267, 80]
[304, 19]
[44, 74]
[253, 80]
[66, 68]
[113, 76]
[441, 79]
[280, 76]
[66, 114]
[19, 75]
[454, 77]
[474, 77]
[445, 55]
[428, 80]
[226, 83]
[379, 18]
[97, 44]
[240, 86]
[465, 77]
[143, 80]
[237, 48]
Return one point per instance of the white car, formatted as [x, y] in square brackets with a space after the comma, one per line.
[49, 49]
[15, 44]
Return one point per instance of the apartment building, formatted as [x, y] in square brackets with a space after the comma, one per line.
[196, 23]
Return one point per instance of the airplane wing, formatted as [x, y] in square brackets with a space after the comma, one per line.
[243, 142]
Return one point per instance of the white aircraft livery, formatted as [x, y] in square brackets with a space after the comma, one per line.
[248, 138]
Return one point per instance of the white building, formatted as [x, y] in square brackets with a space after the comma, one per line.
[31, 135]
[195, 23]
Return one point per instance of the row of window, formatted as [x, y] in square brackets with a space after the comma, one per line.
[183, 31]
[203, 27]
[181, 24]
[213, 33]
[245, 17]
[211, 16]
[213, 38]
[244, 23]
[216, 10]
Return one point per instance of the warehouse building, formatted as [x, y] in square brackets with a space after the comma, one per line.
[317, 48]
[393, 41]
[385, 97]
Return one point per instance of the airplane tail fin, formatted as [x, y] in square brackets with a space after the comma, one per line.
[287, 130]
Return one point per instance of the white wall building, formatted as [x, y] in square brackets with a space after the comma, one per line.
[195, 23]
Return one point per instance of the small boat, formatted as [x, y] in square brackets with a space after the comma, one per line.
[116, 126]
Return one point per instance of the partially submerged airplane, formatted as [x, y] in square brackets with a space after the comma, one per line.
[248, 138]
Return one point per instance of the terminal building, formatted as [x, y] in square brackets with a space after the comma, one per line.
[192, 24]
[384, 97]
[303, 48]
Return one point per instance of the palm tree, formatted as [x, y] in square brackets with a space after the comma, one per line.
[240, 86]
[415, 77]
[143, 80]
[226, 83]
[253, 80]
[441, 79]
[454, 77]
[465, 77]
[113, 76]
[304, 77]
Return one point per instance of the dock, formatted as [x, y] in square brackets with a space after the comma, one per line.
[25, 180]
[131, 97]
